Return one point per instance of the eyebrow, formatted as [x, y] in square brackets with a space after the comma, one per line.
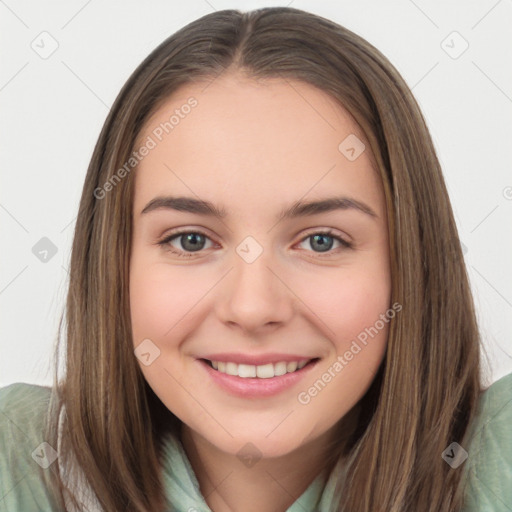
[297, 209]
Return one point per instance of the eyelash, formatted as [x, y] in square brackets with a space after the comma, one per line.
[165, 243]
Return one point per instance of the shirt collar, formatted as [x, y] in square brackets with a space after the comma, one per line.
[183, 492]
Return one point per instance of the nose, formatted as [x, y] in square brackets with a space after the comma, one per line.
[254, 296]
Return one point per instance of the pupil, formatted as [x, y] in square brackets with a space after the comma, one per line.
[196, 242]
[322, 246]
[194, 239]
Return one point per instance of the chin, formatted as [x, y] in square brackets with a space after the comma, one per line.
[254, 443]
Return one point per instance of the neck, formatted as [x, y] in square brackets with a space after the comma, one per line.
[270, 484]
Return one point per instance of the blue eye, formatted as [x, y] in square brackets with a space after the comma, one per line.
[324, 241]
[194, 241]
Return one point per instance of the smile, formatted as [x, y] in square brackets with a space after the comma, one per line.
[257, 381]
[264, 371]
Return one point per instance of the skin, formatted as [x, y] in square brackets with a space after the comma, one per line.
[254, 148]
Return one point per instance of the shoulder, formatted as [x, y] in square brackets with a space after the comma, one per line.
[24, 454]
[13, 395]
[23, 409]
[488, 468]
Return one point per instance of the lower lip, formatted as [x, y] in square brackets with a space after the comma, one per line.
[255, 387]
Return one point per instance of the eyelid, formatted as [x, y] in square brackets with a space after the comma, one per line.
[165, 242]
[331, 232]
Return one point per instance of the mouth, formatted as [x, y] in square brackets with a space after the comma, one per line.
[262, 371]
[261, 381]
[257, 381]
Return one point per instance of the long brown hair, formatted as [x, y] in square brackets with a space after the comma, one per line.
[427, 388]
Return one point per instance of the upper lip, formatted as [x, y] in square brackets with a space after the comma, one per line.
[256, 359]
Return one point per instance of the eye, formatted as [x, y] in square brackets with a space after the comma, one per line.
[192, 241]
[323, 241]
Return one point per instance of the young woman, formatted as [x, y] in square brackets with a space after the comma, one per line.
[268, 306]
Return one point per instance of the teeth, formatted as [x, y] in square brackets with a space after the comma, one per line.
[231, 369]
[279, 369]
[291, 367]
[245, 370]
[264, 371]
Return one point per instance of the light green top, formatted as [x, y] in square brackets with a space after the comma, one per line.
[23, 407]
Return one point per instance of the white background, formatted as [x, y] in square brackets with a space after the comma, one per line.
[52, 111]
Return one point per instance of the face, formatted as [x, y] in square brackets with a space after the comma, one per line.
[252, 284]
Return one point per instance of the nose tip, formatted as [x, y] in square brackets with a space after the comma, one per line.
[254, 296]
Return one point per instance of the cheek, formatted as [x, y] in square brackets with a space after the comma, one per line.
[348, 301]
[159, 298]
[354, 307]
[360, 321]
[150, 300]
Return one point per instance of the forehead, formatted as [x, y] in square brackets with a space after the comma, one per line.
[238, 135]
